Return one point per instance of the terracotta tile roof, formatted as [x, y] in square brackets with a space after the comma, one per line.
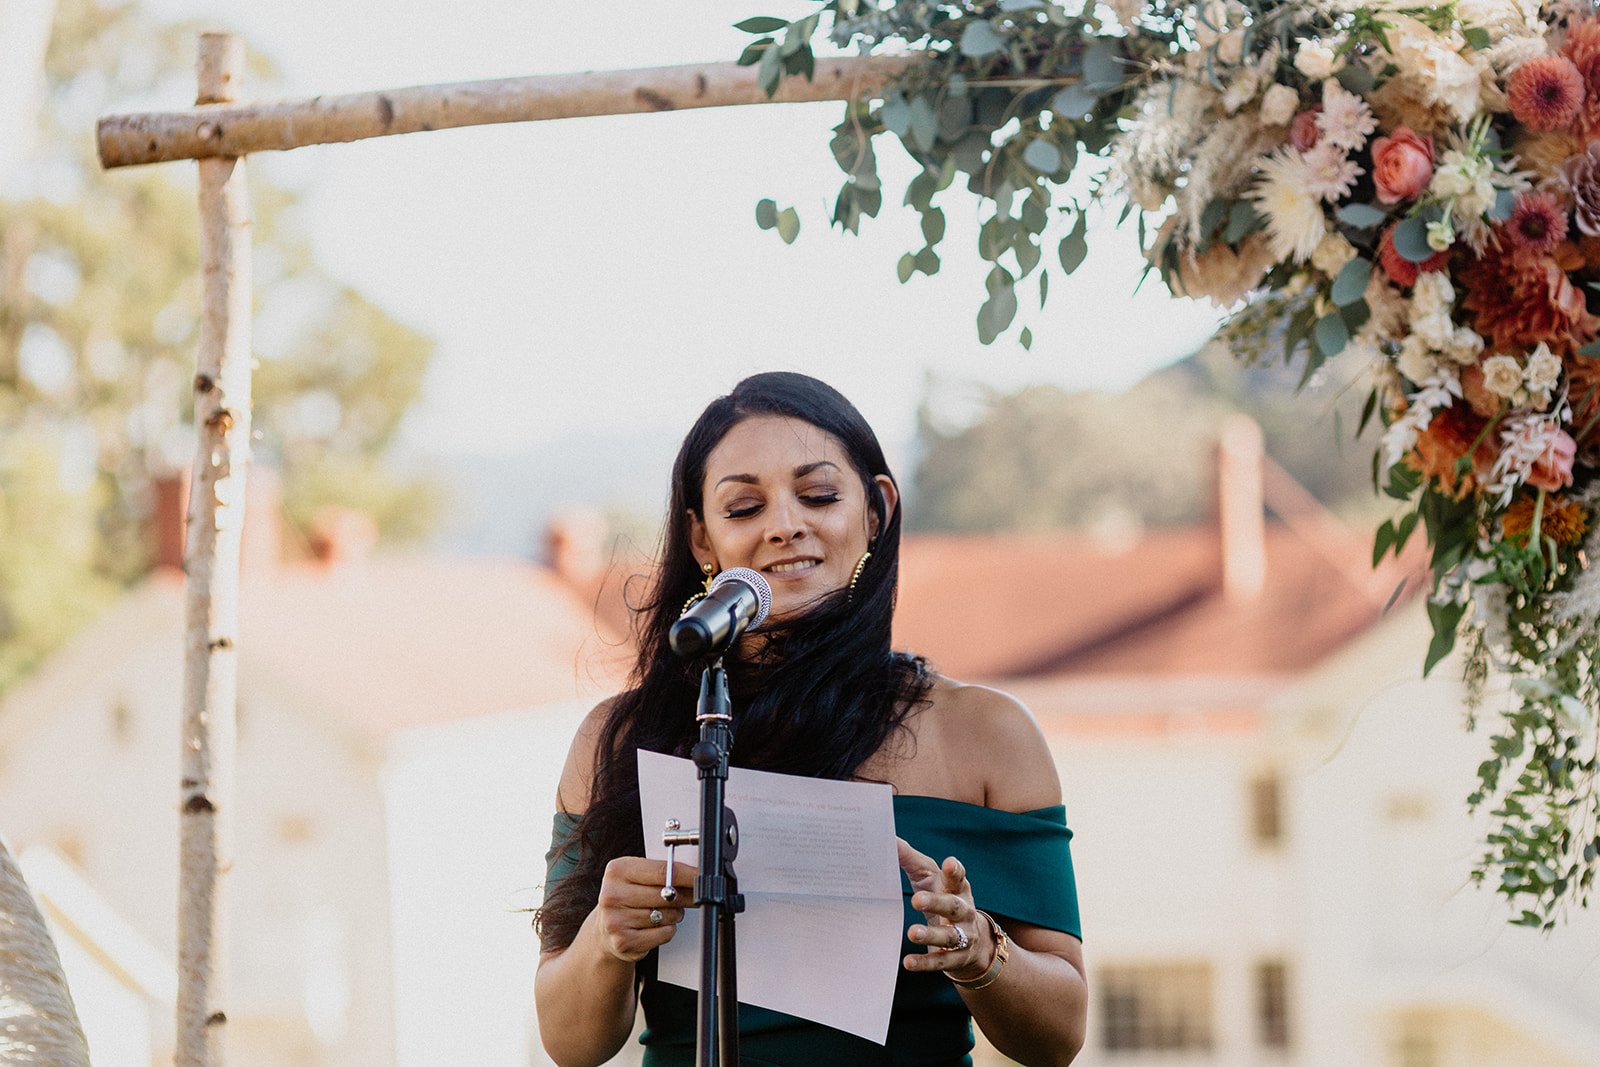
[1013, 606]
[396, 641]
[393, 642]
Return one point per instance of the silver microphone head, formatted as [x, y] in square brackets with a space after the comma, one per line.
[755, 580]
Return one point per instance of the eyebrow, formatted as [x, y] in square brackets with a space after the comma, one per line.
[799, 472]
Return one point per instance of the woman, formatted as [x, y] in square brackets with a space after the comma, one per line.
[785, 477]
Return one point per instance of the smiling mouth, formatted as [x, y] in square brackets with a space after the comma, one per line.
[795, 567]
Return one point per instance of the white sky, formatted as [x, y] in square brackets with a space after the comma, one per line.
[608, 273]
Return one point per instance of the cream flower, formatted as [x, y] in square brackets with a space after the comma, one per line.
[1240, 91]
[1432, 294]
[1278, 105]
[1230, 49]
[1346, 120]
[1332, 253]
[1387, 307]
[1316, 59]
[1543, 370]
[1435, 329]
[1502, 376]
[1465, 346]
[1415, 361]
[1295, 222]
[1330, 174]
[1435, 64]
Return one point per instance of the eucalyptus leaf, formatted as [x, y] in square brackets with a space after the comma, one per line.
[788, 225]
[979, 40]
[1504, 201]
[928, 262]
[1411, 240]
[1331, 334]
[1044, 288]
[761, 24]
[1075, 101]
[1361, 216]
[1027, 254]
[766, 214]
[955, 115]
[753, 51]
[997, 312]
[769, 71]
[1026, 337]
[906, 267]
[1042, 156]
[1102, 64]
[896, 114]
[924, 123]
[933, 226]
[1074, 246]
[1351, 284]
[1242, 219]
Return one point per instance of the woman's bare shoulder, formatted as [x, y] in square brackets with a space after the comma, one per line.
[577, 775]
[997, 731]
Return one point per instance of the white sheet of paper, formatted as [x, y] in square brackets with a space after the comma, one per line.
[820, 875]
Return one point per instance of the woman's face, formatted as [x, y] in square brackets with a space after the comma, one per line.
[782, 497]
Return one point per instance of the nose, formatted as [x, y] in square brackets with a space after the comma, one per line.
[784, 524]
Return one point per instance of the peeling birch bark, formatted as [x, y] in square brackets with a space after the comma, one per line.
[230, 129]
[211, 586]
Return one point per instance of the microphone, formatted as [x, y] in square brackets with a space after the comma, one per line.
[739, 600]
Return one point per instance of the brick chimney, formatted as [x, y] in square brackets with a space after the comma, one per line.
[575, 546]
[1241, 513]
[263, 520]
[342, 536]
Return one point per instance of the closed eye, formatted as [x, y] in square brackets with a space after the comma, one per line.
[818, 500]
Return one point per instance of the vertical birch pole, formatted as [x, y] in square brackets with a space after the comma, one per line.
[211, 568]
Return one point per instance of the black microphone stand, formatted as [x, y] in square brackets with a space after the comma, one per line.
[716, 889]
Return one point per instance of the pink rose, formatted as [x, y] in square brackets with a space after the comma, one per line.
[1303, 131]
[1402, 165]
[1553, 469]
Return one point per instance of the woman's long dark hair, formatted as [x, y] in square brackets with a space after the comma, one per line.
[826, 695]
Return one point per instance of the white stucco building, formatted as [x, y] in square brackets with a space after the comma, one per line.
[1272, 848]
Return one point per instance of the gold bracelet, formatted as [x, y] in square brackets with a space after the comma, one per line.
[1002, 952]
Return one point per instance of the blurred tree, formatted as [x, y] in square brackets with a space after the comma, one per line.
[1044, 458]
[99, 309]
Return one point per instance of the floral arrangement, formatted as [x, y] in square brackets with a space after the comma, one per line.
[1414, 186]
[1419, 187]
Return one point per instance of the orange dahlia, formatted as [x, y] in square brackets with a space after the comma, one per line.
[1450, 434]
[1563, 521]
[1519, 300]
[1582, 47]
[1546, 92]
[1583, 389]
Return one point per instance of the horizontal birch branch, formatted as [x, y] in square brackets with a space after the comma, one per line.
[213, 130]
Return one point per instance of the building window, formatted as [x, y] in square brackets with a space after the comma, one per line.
[1272, 1003]
[1155, 1006]
[1266, 810]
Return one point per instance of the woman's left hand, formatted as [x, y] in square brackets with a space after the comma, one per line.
[944, 896]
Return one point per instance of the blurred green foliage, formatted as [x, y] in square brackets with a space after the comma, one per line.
[99, 313]
[1044, 458]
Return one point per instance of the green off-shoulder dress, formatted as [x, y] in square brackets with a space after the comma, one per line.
[1020, 867]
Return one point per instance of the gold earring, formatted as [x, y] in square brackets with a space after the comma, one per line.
[861, 565]
[710, 572]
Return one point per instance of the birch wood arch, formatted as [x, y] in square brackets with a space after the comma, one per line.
[219, 132]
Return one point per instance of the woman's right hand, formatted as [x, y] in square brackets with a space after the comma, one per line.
[632, 917]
